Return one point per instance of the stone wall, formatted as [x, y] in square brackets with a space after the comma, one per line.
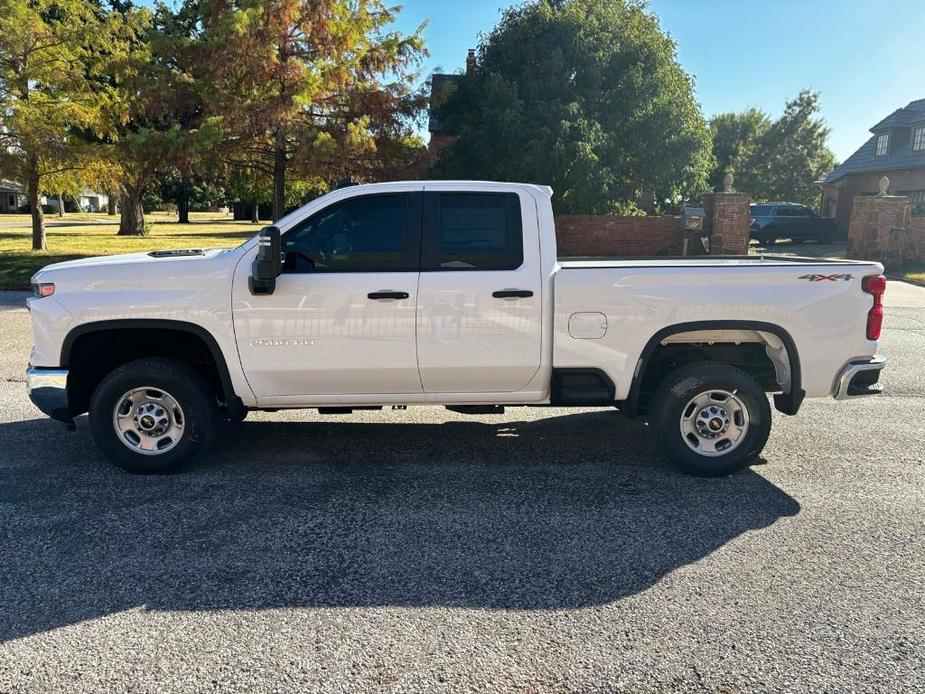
[843, 192]
[915, 250]
[613, 235]
[880, 230]
[726, 217]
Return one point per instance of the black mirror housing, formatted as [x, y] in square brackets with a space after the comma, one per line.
[268, 265]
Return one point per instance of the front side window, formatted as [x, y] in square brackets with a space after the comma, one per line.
[362, 234]
[473, 231]
[883, 144]
[918, 138]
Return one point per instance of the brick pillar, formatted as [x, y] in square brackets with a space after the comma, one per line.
[726, 218]
[879, 229]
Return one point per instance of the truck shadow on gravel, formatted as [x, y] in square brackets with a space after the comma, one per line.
[563, 512]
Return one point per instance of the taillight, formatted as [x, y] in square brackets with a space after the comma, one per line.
[752, 222]
[875, 286]
[40, 289]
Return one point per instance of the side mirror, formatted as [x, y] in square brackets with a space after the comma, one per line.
[269, 262]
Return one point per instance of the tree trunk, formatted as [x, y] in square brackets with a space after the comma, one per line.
[39, 242]
[111, 203]
[183, 209]
[132, 219]
[255, 212]
[279, 176]
[60, 205]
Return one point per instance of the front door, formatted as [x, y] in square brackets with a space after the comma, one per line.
[479, 315]
[341, 320]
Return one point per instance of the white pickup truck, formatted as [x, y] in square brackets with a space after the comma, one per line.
[444, 293]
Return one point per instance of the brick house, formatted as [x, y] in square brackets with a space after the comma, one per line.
[896, 149]
[441, 87]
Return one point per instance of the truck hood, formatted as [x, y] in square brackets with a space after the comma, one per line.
[159, 271]
[153, 258]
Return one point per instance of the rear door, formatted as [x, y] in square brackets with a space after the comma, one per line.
[479, 312]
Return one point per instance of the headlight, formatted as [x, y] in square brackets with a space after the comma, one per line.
[40, 289]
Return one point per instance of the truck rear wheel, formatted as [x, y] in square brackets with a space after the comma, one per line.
[153, 415]
[710, 419]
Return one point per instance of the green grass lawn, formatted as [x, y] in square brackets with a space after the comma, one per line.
[18, 263]
[913, 273]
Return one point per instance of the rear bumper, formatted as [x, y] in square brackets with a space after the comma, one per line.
[859, 378]
[47, 390]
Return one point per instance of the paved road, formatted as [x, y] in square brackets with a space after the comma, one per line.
[547, 550]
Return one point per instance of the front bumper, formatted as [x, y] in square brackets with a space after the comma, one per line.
[47, 390]
[859, 378]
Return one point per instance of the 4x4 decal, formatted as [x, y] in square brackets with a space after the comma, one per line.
[821, 278]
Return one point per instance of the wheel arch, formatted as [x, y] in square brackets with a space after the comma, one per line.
[787, 402]
[124, 327]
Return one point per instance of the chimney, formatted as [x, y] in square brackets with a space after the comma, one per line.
[470, 61]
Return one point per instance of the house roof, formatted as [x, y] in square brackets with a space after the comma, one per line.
[865, 159]
[7, 186]
[911, 114]
[441, 86]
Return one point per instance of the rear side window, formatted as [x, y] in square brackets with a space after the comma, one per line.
[472, 231]
[761, 210]
[362, 234]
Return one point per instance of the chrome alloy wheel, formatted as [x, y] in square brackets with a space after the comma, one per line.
[148, 420]
[714, 423]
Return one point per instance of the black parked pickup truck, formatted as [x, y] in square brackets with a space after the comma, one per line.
[789, 220]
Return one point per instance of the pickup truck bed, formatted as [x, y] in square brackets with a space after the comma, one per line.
[801, 301]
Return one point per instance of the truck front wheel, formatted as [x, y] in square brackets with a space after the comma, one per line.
[153, 415]
[710, 419]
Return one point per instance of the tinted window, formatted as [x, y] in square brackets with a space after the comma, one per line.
[473, 231]
[761, 210]
[799, 211]
[363, 234]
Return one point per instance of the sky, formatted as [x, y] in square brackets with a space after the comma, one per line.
[866, 58]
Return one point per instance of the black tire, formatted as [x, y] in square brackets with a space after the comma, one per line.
[199, 414]
[767, 237]
[679, 388]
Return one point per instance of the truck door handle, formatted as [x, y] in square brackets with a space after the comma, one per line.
[387, 295]
[512, 294]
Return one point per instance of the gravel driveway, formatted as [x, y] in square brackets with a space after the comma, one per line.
[546, 550]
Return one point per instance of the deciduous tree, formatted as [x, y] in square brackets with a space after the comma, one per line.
[586, 96]
[319, 88]
[774, 159]
[50, 54]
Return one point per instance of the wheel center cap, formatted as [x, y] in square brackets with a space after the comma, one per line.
[716, 424]
[147, 422]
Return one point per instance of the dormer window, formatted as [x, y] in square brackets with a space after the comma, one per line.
[883, 144]
[918, 139]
